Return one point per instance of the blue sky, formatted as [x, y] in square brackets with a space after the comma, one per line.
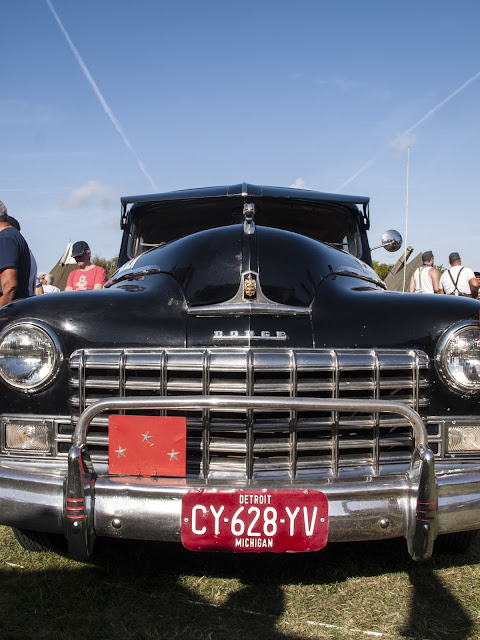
[119, 98]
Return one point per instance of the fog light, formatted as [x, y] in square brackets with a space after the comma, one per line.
[27, 437]
[462, 439]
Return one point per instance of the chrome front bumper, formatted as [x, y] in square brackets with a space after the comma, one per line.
[409, 506]
[82, 504]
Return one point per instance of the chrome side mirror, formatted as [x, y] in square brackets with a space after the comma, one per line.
[391, 241]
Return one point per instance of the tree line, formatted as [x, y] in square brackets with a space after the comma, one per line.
[382, 269]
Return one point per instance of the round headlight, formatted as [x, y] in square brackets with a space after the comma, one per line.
[458, 357]
[30, 356]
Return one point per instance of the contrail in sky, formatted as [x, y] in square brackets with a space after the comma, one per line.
[411, 129]
[102, 100]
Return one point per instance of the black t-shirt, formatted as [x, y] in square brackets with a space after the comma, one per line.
[14, 253]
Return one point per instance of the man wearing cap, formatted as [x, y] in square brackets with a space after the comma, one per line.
[426, 278]
[458, 280]
[87, 276]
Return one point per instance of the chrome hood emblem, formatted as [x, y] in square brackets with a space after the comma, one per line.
[250, 286]
[249, 335]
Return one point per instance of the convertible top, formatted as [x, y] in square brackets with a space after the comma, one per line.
[248, 190]
[244, 189]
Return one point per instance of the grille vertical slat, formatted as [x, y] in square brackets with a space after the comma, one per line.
[293, 415]
[163, 377]
[81, 383]
[335, 414]
[121, 376]
[250, 435]
[376, 417]
[206, 416]
[252, 443]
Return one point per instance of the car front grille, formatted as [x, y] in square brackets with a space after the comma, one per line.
[259, 444]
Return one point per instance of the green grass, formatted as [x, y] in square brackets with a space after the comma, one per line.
[148, 591]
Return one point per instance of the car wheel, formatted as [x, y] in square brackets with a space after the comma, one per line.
[455, 542]
[40, 541]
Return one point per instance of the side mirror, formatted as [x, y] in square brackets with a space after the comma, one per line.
[391, 241]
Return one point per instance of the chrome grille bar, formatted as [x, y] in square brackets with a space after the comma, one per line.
[288, 441]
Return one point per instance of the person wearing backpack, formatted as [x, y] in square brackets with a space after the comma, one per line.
[458, 280]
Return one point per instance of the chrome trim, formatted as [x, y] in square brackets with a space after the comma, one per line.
[353, 273]
[248, 215]
[58, 351]
[440, 365]
[133, 274]
[247, 308]
[423, 507]
[325, 444]
[250, 335]
[79, 509]
[239, 306]
[32, 493]
[242, 403]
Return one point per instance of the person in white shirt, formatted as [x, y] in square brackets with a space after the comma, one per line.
[458, 280]
[47, 281]
[426, 278]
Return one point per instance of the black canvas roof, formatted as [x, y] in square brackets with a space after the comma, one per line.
[245, 190]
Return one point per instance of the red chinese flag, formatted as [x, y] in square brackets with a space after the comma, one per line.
[147, 445]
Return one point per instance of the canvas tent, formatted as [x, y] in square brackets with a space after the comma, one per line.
[396, 278]
[64, 266]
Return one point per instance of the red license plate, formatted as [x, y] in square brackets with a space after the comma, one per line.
[243, 520]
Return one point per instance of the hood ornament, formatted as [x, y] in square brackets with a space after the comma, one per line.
[250, 286]
[248, 215]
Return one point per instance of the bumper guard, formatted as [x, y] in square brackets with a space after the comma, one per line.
[79, 489]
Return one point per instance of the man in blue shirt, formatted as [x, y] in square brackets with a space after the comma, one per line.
[15, 262]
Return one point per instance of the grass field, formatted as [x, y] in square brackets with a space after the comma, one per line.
[148, 591]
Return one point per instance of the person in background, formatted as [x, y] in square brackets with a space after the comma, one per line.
[15, 262]
[477, 276]
[458, 280]
[88, 276]
[35, 284]
[426, 278]
[47, 281]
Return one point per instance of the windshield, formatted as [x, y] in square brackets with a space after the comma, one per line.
[155, 224]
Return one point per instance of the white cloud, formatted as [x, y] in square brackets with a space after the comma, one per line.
[338, 83]
[112, 222]
[93, 192]
[20, 112]
[403, 141]
[299, 184]
[343, 84]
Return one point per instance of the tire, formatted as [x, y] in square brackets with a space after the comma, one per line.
[455, 542]
[39, 541]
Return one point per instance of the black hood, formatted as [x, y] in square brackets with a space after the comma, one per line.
[208, 266]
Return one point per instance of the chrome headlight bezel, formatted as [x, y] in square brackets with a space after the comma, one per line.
[45, 333]
[444, 367]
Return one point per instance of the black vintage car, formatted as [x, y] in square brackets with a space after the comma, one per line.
[244, 382]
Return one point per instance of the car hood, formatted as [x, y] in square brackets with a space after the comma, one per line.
[209, 266]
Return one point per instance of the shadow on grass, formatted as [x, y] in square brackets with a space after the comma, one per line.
[141, 590]
[434, 611]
